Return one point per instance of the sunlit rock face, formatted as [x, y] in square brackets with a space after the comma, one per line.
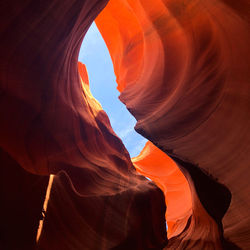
[161, 169]
[182, 69]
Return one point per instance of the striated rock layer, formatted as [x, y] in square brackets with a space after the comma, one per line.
[182, 69]
[51, 124]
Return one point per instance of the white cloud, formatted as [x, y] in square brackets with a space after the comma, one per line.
[125, 131]
[138, 148]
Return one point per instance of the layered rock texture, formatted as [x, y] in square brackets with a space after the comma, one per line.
[182, 69]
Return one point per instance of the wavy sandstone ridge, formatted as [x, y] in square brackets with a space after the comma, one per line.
[161, 169]
[51, 124]
[182, 69]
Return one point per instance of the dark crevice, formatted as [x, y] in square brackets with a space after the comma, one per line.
[21, 197]
[214, 196]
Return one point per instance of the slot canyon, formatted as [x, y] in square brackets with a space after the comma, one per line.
[68, 182]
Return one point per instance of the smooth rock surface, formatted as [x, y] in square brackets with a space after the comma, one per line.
[182, 68]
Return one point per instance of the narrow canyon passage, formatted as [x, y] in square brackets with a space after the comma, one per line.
[102, 81]
[181, 69]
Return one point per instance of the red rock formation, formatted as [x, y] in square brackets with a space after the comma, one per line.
[50, 124]
[160, 168]
[183, 71]
[113, 207]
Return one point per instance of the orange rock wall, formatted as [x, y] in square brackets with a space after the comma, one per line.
[182, 69]
[161, 169]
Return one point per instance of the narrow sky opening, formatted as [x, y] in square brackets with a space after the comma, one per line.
[95, 55]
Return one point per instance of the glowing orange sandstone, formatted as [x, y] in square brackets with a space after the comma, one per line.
[182, 69]
[136, 43]
[160, 168]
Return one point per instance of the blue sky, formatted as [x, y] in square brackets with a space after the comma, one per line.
[94, 54]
